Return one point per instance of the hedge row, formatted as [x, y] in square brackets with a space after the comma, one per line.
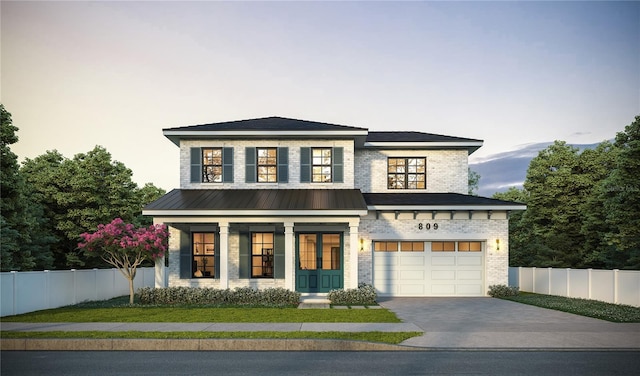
[240, 296]
[365, 294]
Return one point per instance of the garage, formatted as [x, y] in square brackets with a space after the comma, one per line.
[429, 268]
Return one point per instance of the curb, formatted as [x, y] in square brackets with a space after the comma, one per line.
[81, 344]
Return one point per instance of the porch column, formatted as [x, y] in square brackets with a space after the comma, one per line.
[159, 272]
[224, 254]
[289, 257]
[159, 268]
[354, 245]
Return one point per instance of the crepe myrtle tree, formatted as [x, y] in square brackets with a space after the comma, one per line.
[125, 247]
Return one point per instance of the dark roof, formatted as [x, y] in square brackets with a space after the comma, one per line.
[414, 137]
[433, 199]
[258, 200]
[273, 123]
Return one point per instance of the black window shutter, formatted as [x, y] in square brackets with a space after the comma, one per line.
[278, 256]
[185, 255]
[305, 165]
[283, 165]
[216, 259]
[227, 165]
[244, 271]
[196, 165]
[338, 165]
[250, 165]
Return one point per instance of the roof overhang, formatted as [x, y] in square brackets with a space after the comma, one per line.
[471, 146]
[176, 135]
[445, 207]
[255, 213]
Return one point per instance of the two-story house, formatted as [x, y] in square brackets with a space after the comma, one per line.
[311, 207]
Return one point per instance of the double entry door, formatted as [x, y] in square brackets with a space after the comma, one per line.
[319, 259]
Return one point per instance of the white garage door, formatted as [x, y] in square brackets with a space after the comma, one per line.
[446, 268]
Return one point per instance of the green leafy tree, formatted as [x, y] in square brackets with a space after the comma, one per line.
[474, 182]
[620, 194]
[82, 192]
[20, 218]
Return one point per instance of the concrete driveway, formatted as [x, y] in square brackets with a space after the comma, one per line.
[494, 323]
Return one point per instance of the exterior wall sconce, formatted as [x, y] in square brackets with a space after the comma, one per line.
[497, 244]
[361, 244]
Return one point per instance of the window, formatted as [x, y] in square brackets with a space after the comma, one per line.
[443, 246]
[321, 165]
[469, 246]
[262, 255]
[212, 165]
[267, 165]
[203, 255]
[412, 246]
[406, 173]
[385, 246]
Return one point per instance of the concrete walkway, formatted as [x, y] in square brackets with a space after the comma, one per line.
[447, 323]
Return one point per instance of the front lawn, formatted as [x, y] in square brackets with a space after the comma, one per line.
[583, 307]
[115, 310]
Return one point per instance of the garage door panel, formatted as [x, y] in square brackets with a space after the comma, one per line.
[449, 289]
[474, 289]
[443, 261]
[474, 275]
[411, 289]
[408, 260]
[471, 261]
[429, 273]
[443, 275]
[412, 275]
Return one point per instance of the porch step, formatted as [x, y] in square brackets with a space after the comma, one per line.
[314, 301]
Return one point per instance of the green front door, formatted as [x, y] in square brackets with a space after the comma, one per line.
[319, 262]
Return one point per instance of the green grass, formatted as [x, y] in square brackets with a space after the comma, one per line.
[382, 337]
[117, 310]
[583, 307]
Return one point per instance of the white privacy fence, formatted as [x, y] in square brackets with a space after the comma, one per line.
[613, 286]
[23, 292]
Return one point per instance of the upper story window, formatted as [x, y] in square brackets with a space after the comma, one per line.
[321, 163]
[212, 165]
[406, 173]
[267, 164]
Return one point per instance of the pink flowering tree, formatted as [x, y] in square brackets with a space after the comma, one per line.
[125, 247]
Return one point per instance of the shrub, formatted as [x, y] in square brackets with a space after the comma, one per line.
[365, 294]
[499, 291]
[240, 296]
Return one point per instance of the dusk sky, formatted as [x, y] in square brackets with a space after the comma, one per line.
[79, 74]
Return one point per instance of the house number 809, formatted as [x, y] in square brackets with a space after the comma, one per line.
[427, 226]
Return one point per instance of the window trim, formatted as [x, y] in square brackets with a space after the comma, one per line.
[322, 165]
[273, 165]
[265, 259]
[406, 174]
[204, 256]
[212, 165]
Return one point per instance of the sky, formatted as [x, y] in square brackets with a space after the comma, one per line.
[79, 74]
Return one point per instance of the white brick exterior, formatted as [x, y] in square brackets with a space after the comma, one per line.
[239, 147]
[447, 170]
[365, 168]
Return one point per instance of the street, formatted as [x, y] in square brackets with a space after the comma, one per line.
[97, 363]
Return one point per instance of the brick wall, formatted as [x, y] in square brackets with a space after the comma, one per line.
[446, 170]
[239, 164]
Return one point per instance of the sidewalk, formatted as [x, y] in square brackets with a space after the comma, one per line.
[446, 323]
